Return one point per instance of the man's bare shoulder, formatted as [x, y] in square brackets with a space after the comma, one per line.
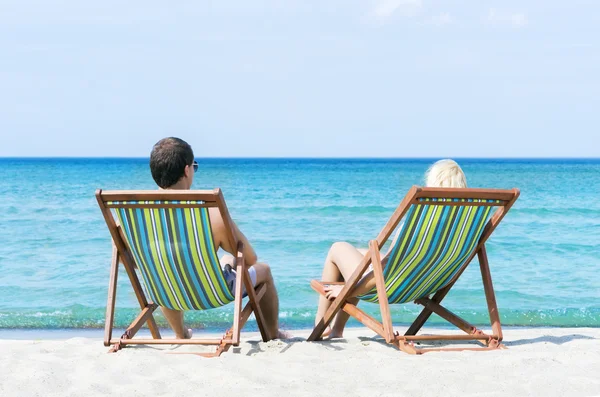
[217, 225]
[216, 220]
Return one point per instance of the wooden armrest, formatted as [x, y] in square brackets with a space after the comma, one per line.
[319, 286]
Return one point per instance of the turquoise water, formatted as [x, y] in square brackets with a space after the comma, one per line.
[55, 248]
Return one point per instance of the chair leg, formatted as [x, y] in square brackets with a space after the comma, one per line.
[237, 304]
[490, 296]
[426, 313]
[407, 343]
[433, 306]
[386, 316]
[142, 300]
[437, 298]
[228, 339]
[447, 315]
[354, 311]
[222, 347]
[134, 327]
[254, 303]
[112, 293]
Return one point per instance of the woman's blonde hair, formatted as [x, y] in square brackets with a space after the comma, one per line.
[445, 173]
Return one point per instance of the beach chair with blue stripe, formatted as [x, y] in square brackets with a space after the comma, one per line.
[443, 230]
[166, 235]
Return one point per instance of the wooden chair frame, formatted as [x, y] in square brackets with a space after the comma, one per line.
[122, 254]
[431, 305]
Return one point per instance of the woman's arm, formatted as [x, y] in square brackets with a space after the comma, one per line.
[394, 240]
[366, 284]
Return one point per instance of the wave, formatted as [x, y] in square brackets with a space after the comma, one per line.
[81, 317]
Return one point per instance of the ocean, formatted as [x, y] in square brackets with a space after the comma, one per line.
[55, 248]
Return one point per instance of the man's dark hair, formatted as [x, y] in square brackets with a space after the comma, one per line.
[168, 160]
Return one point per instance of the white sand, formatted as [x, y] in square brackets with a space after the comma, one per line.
[538, 361]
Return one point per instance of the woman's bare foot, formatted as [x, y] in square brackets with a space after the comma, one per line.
[335, 334]
[331, 334]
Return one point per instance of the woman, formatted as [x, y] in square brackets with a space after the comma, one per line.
[343, 258]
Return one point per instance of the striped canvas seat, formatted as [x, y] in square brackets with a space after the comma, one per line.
[173, 249]
[433, 245]
[167, 236]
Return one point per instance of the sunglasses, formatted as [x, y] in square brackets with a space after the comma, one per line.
[195, 165]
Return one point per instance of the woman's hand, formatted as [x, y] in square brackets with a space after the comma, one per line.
[332, 291]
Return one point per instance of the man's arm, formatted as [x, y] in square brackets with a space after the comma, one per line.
[220, 237]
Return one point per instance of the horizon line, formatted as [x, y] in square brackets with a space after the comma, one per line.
[305, 158]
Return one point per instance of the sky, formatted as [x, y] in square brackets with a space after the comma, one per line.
[301, 78]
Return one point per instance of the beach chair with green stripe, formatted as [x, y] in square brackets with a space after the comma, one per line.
[166, 235]
[443, 230]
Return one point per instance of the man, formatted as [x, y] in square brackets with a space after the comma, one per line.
[173, 167]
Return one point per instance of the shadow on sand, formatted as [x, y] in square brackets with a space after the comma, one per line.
[556, 340]
[257, 347]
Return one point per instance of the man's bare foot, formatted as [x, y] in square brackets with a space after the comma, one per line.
[283, 335]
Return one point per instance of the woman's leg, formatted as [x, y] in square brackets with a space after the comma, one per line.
[339, 323]
[341, 261]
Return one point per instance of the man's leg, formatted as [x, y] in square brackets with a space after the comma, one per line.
[175, 320]
[269, 303]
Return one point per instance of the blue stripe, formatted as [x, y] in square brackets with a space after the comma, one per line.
[188, 260]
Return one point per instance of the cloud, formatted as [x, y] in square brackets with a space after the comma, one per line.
[498, 17]
[387, 8]
[442, 19]
[518, 19]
